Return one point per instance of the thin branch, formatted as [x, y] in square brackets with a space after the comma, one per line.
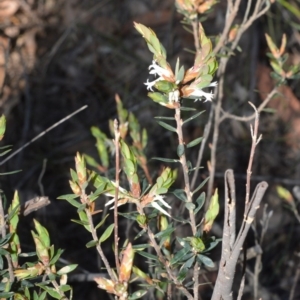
[230, 16]
[96, 239]
[255, 141]
[42, 134]
[195, 25]
[185, 168]
[116, 227]
[201, 149]
[188, 191]
[227, 115]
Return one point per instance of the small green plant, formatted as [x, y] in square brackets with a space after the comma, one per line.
[33, 279]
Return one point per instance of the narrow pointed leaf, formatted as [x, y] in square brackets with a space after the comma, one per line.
[180, 150]
[194, 116]
[168, 160]
[205, 261]
[200, 201]
[194, 142]
[167, 126]
[107, 233]
[201, 185]
[91, 244]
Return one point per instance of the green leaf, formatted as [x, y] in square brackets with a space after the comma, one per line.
[291, 7]
[165, 118]
[6, 295]
[51, 291]
[212, 211]
[84, 223]
[91, 244]
[194, 142]
[200, 201]
[182, 275]
[29, 254]
[167, 126]
[107, 233]
[194, 116]
[161, 190]
[180, 194]
[188, 264]
[201, 185]
[67, 269]
[164, 86]
[2, 126]
[168, 160]
[190, 206]
[67, 197]
[81, 207]
[101, 222]
[139, 234]
[43, 233]
[5, 240]
[148, 255]
[140, 247]
[179, 256]
[180, 150]
[84, 218]
[212, 244]
[158, 97]
[74, 175]
[187, 108]
[131, 216]
[5, 152]
[165, 233]
[205, 261]
[138, 294]
[99, 191]
[56, 257]
[65, 288]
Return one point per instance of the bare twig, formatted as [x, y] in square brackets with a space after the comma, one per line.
[188, 192]
[230, 16]
[201, 149]
[116, 227]
[96, 239]
[232, 9]
[195, 25]
[231, 247]
[226, 115]
[42, 134]
[185, 168]
[255, 141]
[259, 241]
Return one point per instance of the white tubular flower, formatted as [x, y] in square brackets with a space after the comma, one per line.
[156, 70]
[163, 202]
[199, 93]
[121, 194]
[174, 96]
[150, 84]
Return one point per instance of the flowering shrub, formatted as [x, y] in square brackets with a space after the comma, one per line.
[174, 260]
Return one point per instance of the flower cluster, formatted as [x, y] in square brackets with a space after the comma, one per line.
[173, 86]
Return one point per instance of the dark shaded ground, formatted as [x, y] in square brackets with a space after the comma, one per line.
[66, 54]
